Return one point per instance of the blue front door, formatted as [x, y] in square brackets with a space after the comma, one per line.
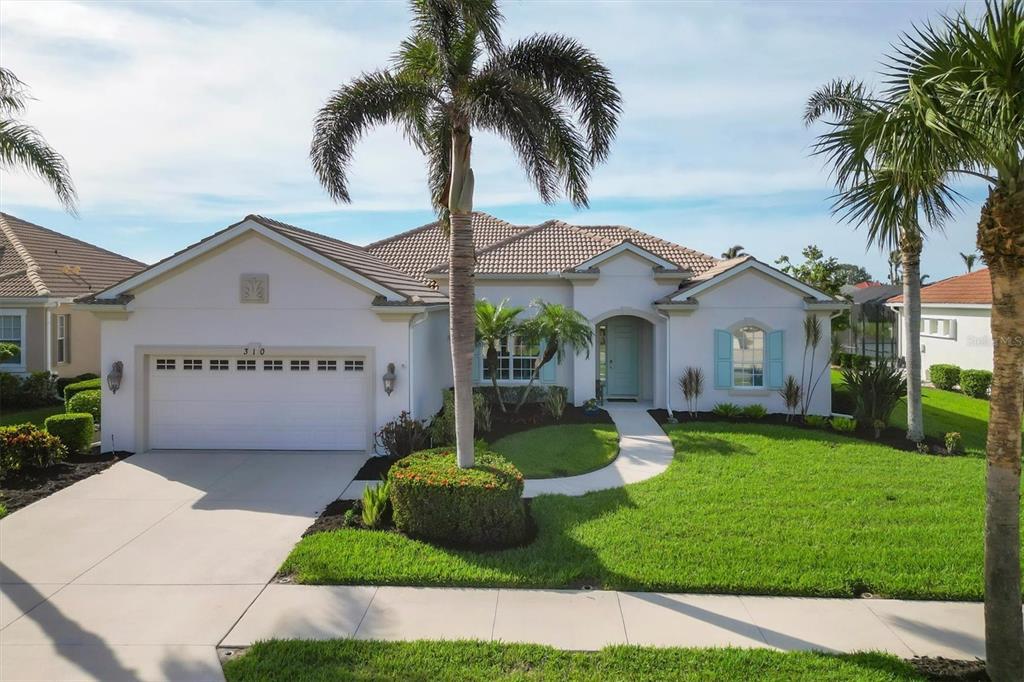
[623, 369]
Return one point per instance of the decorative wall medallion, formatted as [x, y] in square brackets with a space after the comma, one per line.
[255, 288]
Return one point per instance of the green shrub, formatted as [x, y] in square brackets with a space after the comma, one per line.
[555, 400]
[442, 429]
[844, 424]
[945, 377]
[954, 443]
[433, 499]
[975, 382]
[375, 504]
[816, 421]
[728, 410]
[64, 382]
[86, 401]
[755, 411]
[77, 387]
[35, 390]
[26, 447]
[75, 430]
[860, 362]
[875, 391]
[402, 436]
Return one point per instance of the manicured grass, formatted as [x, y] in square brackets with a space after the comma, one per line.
[36, 415]
[744, 508]
[564, 450]
[348, 659]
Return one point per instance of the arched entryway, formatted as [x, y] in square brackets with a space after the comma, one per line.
[625, 358]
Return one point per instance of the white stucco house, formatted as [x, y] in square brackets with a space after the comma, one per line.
[956, 321]
[268, 336]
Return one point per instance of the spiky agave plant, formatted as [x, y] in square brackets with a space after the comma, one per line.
[692, 386]
[791, 393]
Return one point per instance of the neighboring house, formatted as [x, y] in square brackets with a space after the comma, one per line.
[268, 336]
[956, 321]
[41, 272]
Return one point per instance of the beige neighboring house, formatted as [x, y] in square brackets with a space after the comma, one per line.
[41, 273]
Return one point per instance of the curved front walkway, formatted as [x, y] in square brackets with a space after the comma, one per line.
[644, 451]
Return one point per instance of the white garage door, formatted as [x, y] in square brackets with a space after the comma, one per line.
[280, 403]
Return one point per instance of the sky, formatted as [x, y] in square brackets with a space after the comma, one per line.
[178, 119]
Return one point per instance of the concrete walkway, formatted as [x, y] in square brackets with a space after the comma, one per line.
[587, 620]
[644, 451]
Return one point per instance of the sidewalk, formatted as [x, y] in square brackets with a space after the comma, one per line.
[589, 620]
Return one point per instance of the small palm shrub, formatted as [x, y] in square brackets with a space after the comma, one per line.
[875, 389]
[442, 429]
[816, 421]
[844, 424]
[954, 443]
[74, 429]
[792, 394]
[945, 377]
[755, 411]
[727, 410]
[692, 386]
[433, 499]
[975, 382]
[26, 447]
[77, 387]
[376, 504]
[86, 401]
[402, 436]
[555, 401]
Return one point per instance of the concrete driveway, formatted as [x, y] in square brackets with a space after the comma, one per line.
[138, 572]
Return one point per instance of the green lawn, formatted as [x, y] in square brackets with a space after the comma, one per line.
[36, 415]
[744, 508]
[564, 450]
[347, 659]
[945, 411]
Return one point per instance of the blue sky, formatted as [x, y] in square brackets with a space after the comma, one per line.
[180, 118]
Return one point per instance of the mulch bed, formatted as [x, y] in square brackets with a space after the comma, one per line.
[22, 488]
[949, 670]
[892, 437]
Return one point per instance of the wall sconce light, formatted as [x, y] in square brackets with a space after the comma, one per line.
[389, 379]
[114, 377]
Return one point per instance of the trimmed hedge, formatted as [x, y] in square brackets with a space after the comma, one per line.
[86, 401]
[88, 385]
[26, 447]
[75, 430]
[433, 499]
[975, 382]
[945, 377]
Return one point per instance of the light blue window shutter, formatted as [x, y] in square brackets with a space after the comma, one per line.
[774, 357]
[547, 372]
[477, 365]
[723, 359]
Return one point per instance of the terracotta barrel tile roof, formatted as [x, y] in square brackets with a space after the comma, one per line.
[972, 288]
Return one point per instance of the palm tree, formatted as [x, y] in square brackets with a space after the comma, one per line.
[555, 327]
[954, 88]
[969, 260]
[494, 325]
[22, 146]
[548, 96]
[734, 251]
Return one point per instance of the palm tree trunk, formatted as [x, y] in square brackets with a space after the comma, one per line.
[1001, 240]
[910, 250]
[549, 352]
[461, 294]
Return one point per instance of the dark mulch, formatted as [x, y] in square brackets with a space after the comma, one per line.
[893, 437]
[949, 670]
[22, 488]
[532, 416]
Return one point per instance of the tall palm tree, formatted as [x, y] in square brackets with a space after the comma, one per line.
[495, 324]
[969, 260]
[557, 328]
[550, 98]
[959, 86]
[734, 251]
[22, 146]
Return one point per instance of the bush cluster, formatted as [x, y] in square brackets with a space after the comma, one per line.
[86, 401]
[74, 429]
[954, 443]
[402, 436]
[727, 410]
[433, 499]
[442, 429]
[35, 390]
[852, 361]
[945, 377]
[975, 382]
[844, 424]
[816, 421]
[754, 411]
[26, 447]
[875, 389]
[73, 388]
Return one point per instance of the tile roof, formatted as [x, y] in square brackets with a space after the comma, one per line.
[418, 250]
[36, 261]
[974, 287]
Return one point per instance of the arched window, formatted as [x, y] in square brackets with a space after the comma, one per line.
[748, 357]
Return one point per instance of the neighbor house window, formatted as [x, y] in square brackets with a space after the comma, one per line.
[748, 357]
[938, 327]
[515, 360]
[12, 331]
[63, 339]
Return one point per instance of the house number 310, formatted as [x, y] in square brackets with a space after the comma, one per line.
[253, 349]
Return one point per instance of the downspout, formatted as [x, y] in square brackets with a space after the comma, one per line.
[668, 364]
[414, 321]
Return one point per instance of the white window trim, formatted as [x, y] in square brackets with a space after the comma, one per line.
[23, 314]
[764, 358]
[486, 381]
[950, 321]
[63, 342]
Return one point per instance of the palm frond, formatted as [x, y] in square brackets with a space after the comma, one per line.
[23, 146]
[12, 93]
[840, 99]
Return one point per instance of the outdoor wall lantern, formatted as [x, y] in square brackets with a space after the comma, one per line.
[114, 377]
[389, 379]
